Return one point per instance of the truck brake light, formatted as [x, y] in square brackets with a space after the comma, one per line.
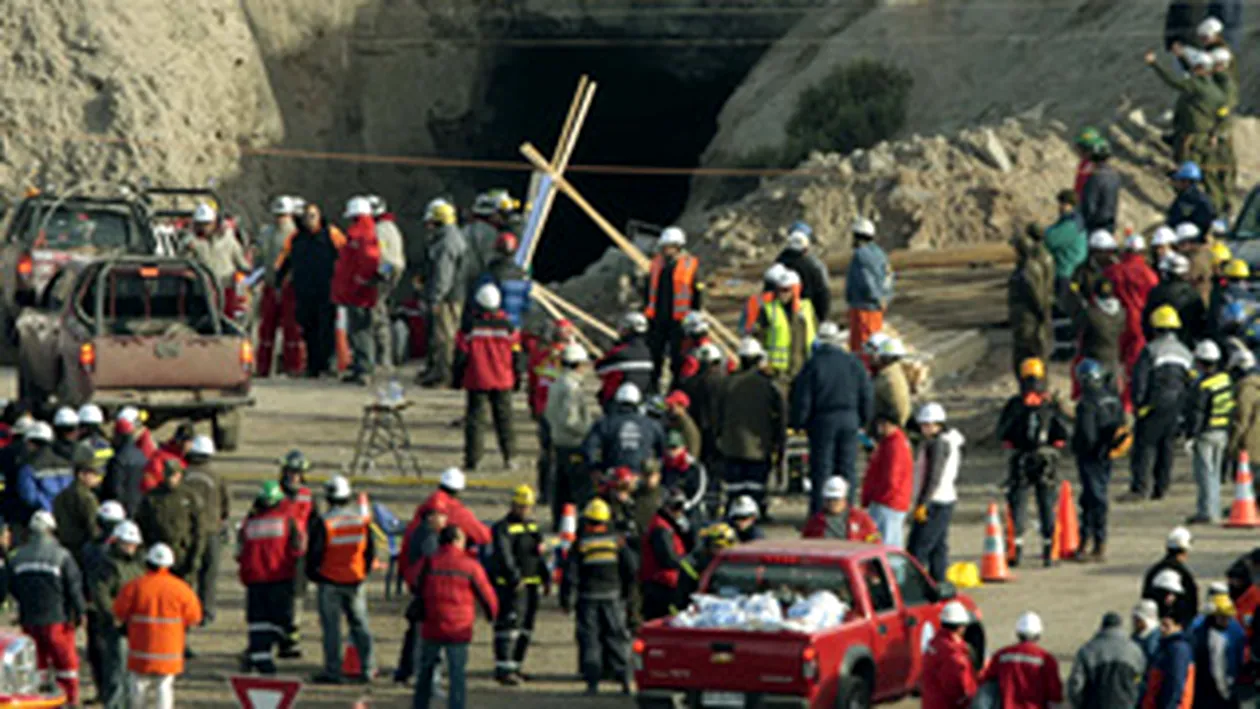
[87, 356]
[247, 356]
[636, 658]
[25, 267]
[809, 664]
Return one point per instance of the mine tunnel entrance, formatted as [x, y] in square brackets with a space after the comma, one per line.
[653, 107]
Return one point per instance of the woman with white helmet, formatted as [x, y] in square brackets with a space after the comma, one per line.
[936, 467]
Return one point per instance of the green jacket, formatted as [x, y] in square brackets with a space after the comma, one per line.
[1030, 297]
[75, 511]
[1199, 105]
[212, 496]
[173, 516]
[1068, 245]
[105, 575]
[1228, 85]
[892, 394]
[1245, 434]
[751, 416]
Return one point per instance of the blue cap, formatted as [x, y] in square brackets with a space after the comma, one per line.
[1088, 369]
[1189, 170]
[802, 227]
[1235, 313]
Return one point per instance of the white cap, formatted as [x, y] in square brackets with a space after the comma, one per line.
[1164, 236]
[128, 532]
[1222, 56]
[1241, 358]
[160, 556]
[628, 394]
[836, 488]
[634, 322]
[1207, 351]
[955, 613]
[91, 415]
[672, 236]
[864, 226]
[750, 347]
[1210, 27]
[774, 273]
[797, 241]
[65, 418]
[931, 412]
[1135, 242]
[1028, 625]
[1179, 539]
[789, 279]
[204, 214]
[1175, 263]
[453, 479]
[202, 445]
[488, 297]
[1147, 610]
[283, 204]
[111, 511]
[709, 353]
[1187, 230]
[1102, 240]
[573, 353]
[338, 488]
[358, 207]
[39, 431]
[743, 506]
[893, 347]
[1168, 580]
[42, 521]
[694, 323]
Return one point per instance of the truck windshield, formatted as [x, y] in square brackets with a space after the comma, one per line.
[148, 301]
[733, 578]
[75, 226]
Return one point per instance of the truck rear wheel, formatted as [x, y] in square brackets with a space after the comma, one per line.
[852, 693]
[226, 427]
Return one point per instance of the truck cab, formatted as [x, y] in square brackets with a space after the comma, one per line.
[874, 655]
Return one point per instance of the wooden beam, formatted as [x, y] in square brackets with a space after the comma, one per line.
[720, 329]
[573, 122]
[557, 315]
[574, 310]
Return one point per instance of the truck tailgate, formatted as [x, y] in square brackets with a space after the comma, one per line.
[184, 362]
[722, 660]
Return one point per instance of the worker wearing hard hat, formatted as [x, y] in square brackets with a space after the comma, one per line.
[1132, 279]
[712, 540]
[1027, 676]
[1170, 583]
[787, 327]
[601, 571]
[1209, 415]
[628, 362]
[1103, 252]
[703, 390]
[308, 260]
[1084, 147]
[892, 389]
[489, 220]
[76, 507]
[675, 288]
[298, 503]
[751, 422]
[936, 465]
[949, 676]
[211, 493]
[1099, 417]
[868, 286]
[797, 256]
[838, 520]
[519, 575]
[355, 282]
[392, 272]
[43, 472]
[625, 437]
[1222, 172]
[277, 308]
[489, 363]
[1161, 385]
[268, 547]
[339, 557]
[217, 248]
[1100, 199]
[1176, 292]
[1219, 643]
[511, 280]
[125, 471]
[1199, 101]
[1231, 287]
[1106, 670]
[1190, 205]
[445, 280]
[115, 564]
[1030, 300]
[751, 314]
[568, 416]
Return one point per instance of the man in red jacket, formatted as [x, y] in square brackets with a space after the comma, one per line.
[451, 585]
[174, 449]
[446, 497]
[664, 557]
[836, 520]
[948, 680]
[1027, 676]
[268, 548]
[354, 282]
[889, 482]
[489, 355]
[1133, 279]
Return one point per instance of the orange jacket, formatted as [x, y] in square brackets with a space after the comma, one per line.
[1247, 605]
[684, 285]
[341, 545]
[157, 610]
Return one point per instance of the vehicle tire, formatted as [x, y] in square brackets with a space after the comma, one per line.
[852, 693]
[226, 427]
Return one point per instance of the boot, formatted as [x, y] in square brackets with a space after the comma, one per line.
[592, 689]
[1019, 554]
[1100, 552]
[1047, 554]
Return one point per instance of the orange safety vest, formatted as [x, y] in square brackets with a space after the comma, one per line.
[1246, 606]
[157, 609]
[345, 546]
[684, 282]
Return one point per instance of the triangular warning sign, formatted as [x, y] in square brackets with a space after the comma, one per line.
[265, 692]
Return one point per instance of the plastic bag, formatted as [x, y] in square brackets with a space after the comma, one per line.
[820, 611]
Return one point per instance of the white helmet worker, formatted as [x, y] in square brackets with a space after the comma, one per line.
[864, 227]
[635, 322]
[1175, 264]
[743, 506]
[39, 431]
[628, 394]
[573, 353]
[91, 415]
[1209, 28]
[1187, 231]
[489, 297]
[283, 206]
[358, 207]
[829, 332]
[42, 521]
[111, 511]
[797, 241]
[1207, 351]
[453, 479]
[875, 341]
[955, 613]
[1168, 580]
[1179, 539]
[1164, 236]
[378, 204]
[836, 488]
[127, 532]
[65, 417]
[1102, 240]
[1222, 57]
[749, 348]
[694, 323]
[709, 353]
[204, 214]
[202, 445]
[337, 488]
[1242, 358]
[892, 348]
[1135, 243]
[931, 412]
[672, 236]
[789, 279]
[774, 273]
[1028, 626]
[160, 556]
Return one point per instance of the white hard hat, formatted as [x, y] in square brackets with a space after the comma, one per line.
[864, 227]
[111, 511]
[160, 556]
[774, 273]
[955, 613]
[128, 532]
[282, 205]
[204, 214]
[876, 341]
[1187, 230]
[338, 488]
[931, 412]
[1222, 56]
[828, 331]
[1179, 539]
[130, 414]
[488, 297]
[743, 506]
[628, 394]
[377, 203]
[23, 424]
[39, 431]
[836, 488]
[789, 279]
[42, 521]
[750, 347]
[1207, 351]
[1217, 588]
[1135, 242]
[1164, 236]
[202, 445]
[892, 348]
[1241, 358]
[1028, 625]
[1168, 580]
[91, 415]
[634, 322]
[65, 418]
[1199, 59]
[694, 323]
[1102, 240]
[573, 353]
[453, 479]
[672, 236]
[1175, 263]
[1210, 27]
[797, 241]
[709, 353]
[358, 207]
[1147, 610]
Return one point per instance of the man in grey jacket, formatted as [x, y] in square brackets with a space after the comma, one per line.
[868, 287]
[443, 291]
[1108, 669]
[568, 417]
[393, 266]
[1100, 198]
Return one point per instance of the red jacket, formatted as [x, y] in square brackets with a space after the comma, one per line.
[298, 507]
[1133, 279]
[451, 583]
[1027, 676]
[948, 680]
[155, 471]
[889, 479]
[456, 514]
[489, 348]
[270, 545]
[861, 527]
[354, 277]
[1084, 169]
[144, 440]
[544, 367]
[651, 568]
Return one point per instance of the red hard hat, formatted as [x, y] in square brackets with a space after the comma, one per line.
[623, 475]
[678, 397]
[506, 243]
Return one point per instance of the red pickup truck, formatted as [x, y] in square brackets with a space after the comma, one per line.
[874, 655]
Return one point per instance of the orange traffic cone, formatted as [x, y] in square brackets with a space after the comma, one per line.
[568, 535]
[1243, 512]
[1008, 525]
[993, 560]
[342, 340]
[351, 666]
[1067, 530]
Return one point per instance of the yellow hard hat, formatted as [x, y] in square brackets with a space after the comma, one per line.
[719, 535]
[442, 213]
[1166, 317]
[963, 574]
[1221, 253]
[1222, 605]
[1032, 368]
[523, 495]
[1237, 268]
[597, 511]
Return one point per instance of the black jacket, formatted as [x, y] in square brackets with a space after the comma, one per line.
[1029, 427]
[311, 262]
[1187, 605]
[601, 567]
[834, 385]
[1100, 197]
[1098, 414]
[46, 582]
[1191, 205]
[124, 474]
[814, 284]
[1186, 301]
[517, 553]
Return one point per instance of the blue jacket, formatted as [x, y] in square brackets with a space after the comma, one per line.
[624, 437]
[1235, 644]
[41, 479]
[868, 286]
[1172, 666]
[834, 385]
[514, 287]
[1150, 648]
[1192, 205]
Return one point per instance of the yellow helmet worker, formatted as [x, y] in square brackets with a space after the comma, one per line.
[1032, 368]
[1166, 317]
